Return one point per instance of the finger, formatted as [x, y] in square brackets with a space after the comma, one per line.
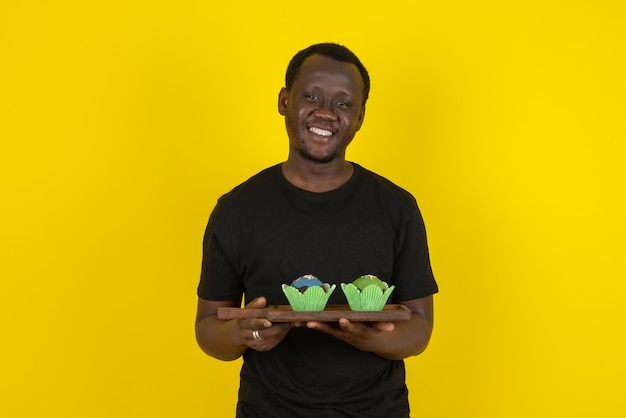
[322, 326]
[255, 323]
[256, 335]
[271, 335]
[277, 330]
[384, 326]
[326, 327]
[346, 325]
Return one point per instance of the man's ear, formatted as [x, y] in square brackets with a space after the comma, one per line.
[282, 101]
[361, 118]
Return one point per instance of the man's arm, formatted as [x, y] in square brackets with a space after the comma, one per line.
[229, 339]
[391, 340]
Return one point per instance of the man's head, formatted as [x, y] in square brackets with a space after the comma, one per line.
[330, 50]
[323, 102]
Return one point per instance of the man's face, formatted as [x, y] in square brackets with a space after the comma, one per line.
[323, 109]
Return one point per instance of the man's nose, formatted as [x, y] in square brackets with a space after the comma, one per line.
[326, 111]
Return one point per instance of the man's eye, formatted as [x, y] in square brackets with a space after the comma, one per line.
[312, 97]
[343, 104]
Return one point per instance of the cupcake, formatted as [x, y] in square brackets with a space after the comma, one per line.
[308, 293]
[367, 293]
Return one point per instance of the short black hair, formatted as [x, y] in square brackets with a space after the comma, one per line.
[331, 50]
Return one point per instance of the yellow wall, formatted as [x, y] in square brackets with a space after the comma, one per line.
[121, 124]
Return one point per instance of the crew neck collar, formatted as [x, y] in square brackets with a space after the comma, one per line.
[355, 173]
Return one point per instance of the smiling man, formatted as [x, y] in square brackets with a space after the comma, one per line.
[317, 213]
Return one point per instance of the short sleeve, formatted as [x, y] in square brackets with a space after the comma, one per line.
[219, 280]
[413, 274]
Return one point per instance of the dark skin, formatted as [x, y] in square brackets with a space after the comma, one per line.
[323, 110]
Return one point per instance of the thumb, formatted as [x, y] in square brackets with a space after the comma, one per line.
[257, 303]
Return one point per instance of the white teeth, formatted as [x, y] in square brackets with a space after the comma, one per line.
[322, 132]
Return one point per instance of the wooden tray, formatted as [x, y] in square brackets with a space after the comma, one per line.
[332, 313]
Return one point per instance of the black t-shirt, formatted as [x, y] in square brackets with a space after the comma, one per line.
[266, 232]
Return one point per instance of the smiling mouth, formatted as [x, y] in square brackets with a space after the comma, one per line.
[319, 131]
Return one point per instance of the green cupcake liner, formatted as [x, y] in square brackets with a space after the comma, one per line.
[312, 300]
[371, 298]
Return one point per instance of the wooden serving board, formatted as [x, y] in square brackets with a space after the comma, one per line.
[332, 313]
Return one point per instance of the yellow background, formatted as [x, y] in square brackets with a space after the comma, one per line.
[121, 122]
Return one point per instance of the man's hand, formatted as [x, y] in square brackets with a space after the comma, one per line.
[362, 335]
[392, 340]
[259, 333]
[229, 339]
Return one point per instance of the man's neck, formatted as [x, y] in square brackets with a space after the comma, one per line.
[318, 177]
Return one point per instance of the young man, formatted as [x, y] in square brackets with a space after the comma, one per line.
[319, 214]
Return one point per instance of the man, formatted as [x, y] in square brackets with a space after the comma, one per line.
[320, 214]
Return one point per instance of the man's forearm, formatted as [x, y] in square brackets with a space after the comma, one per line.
[220, 339]
[409, 338]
